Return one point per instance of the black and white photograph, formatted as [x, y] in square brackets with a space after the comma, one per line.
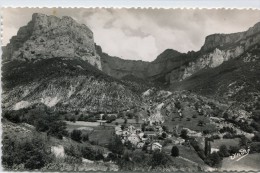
[130, 89]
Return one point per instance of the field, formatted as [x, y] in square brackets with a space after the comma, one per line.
[248, 163]
[186, 152]
[228, 142]
[192, 124]
[98, 134]
[129, 121]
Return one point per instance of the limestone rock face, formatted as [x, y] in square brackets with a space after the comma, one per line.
[49, 37]
[219, 48]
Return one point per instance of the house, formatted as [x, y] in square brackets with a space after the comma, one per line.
[178, 141]
[138, 130]
[141, 134]
[119, 132]
[125, 133]
[131, 129]
[118, 128]
[140, 145]
[134, 139]
[214, 150]
[156, 146]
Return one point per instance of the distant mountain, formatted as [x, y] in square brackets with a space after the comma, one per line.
[55, 61]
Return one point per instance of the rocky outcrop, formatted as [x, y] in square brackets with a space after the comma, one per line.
[49, 37]
[219, 48]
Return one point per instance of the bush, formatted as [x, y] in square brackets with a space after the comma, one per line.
[184, 134]
[91, 154]
[164, 135]
[74, 151]
[76, 135]
[166, 142]
[177, 105]
[159, 159]
[85, 137]
[223, 151]
[116, 146]
[256, 137]
[175, 151]
[213, 159]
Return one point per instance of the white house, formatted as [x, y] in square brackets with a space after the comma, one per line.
[131, 129]
[134, 139]
[119, 132]
[140, 145]
[214, 150]
[156, 146]
[141, 134]
[178, 141]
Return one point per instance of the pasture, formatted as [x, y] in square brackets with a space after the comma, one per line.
[248, 163]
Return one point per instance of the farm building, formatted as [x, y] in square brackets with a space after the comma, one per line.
[156, 146]
[134, 139]
[140, 145]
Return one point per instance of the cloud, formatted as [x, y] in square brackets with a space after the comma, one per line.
[143, 33]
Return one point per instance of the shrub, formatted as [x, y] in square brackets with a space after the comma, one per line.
[256, 137]
[194, 116]
[233, 149]
[116, 146]
[85, 137]
[177, 105]
[76, 135]
[175, 151]
[213, 159]
[223, 151]
[205, 132]
[159, 159]
[166, 142]
[74, 151]
[164, 135]
[184, 134]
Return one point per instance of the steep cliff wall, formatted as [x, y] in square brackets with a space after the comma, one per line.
[219, 48]
[49, 37]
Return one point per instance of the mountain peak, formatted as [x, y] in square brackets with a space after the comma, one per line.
[167, 54]
[49, 37]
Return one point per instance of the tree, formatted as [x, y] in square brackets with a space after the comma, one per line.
[213, 159]
[76, 135]
[159, 159]
[243, 141]
[184, 134]
[85, 137]
[137, 119]
[125, 120]
[201, 123]
[177, 105]
[223, 151]
[175, 151]
[165, 128]
[116, 146]
[164, 135]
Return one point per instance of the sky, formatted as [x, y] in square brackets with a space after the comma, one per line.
[142, 34]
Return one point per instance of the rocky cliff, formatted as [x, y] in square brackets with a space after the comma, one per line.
[47, 37]
[53, 61]
[219, 48]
